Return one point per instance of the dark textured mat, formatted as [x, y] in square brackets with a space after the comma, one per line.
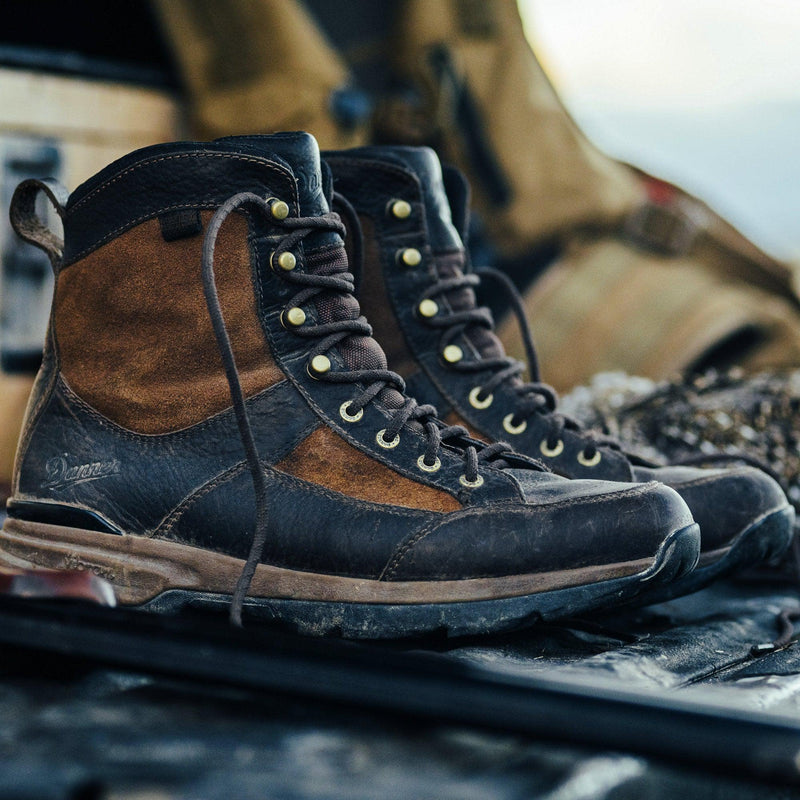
[73, 728]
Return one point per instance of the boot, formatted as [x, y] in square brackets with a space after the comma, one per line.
[213, 423]
[417, 288]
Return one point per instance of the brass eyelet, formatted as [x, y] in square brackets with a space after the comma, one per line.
[399, 209]
[428, 308]
[409, 256]
[319, 366]
[510, 427]
[555, 451]
[477, 483]
[476, 402]
[279, 208]
[286, 261]
[589, 462]
[452, 354]
[350, 417]
[293, 317]
[428, 467]
[384, 443]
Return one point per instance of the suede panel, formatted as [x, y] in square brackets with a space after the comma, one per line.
[326, 459]
[373, 297]
[134, 334]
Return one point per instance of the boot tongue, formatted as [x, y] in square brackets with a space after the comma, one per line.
[300, 153]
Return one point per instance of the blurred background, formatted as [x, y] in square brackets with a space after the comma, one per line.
[702, 93]
[705, 93]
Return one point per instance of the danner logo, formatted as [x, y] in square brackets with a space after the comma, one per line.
[60, 473]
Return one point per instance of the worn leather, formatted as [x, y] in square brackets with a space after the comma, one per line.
[591, 521]
[139, 288]
[191, 485]
[26, 222]
[423, 163]
[171, 177]
[139, 479]
[724, 502]
[326, 459]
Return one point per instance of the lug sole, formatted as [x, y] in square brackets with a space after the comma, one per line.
[765, 539]
[167, 577]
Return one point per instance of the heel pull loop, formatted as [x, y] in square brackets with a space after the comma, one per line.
[27, 224]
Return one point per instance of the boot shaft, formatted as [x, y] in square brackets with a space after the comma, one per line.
[132, 364]
[130, 325]
[408, 318]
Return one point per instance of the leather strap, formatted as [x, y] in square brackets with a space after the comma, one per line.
[673, 222]
[29, 226]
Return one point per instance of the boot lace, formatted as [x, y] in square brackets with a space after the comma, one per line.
[327, 336]
[532, 396]
[535, 397]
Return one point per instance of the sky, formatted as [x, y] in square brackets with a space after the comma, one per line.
[680, 54]
[703, 92]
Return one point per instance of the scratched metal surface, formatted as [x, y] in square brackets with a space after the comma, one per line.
[80, 733]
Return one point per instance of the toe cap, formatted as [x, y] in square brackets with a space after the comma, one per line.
[724, 502]
[562, 525]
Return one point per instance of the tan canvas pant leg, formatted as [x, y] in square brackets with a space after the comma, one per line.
[255, 66]
[606, 303]
[554, 175]
[607, 306]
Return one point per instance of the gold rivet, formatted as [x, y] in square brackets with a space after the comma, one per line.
[510, 427]
[401, 209]
[428, 467]
[428, 308]
[287, 261]
[279, 209]
[387, 444]
[410, 256]
[345, 414]
[295, 316]
[320, 364]
[452, 353]
[477, 483]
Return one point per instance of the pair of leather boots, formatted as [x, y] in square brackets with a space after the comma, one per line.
[214, 423]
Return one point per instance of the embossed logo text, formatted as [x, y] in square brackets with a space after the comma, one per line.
[60, 473]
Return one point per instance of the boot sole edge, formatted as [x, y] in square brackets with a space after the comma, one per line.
[168, 577]
[766, 538]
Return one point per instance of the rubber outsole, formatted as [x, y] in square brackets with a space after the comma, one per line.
[765, 539]
[169, 578]
[677, 556]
